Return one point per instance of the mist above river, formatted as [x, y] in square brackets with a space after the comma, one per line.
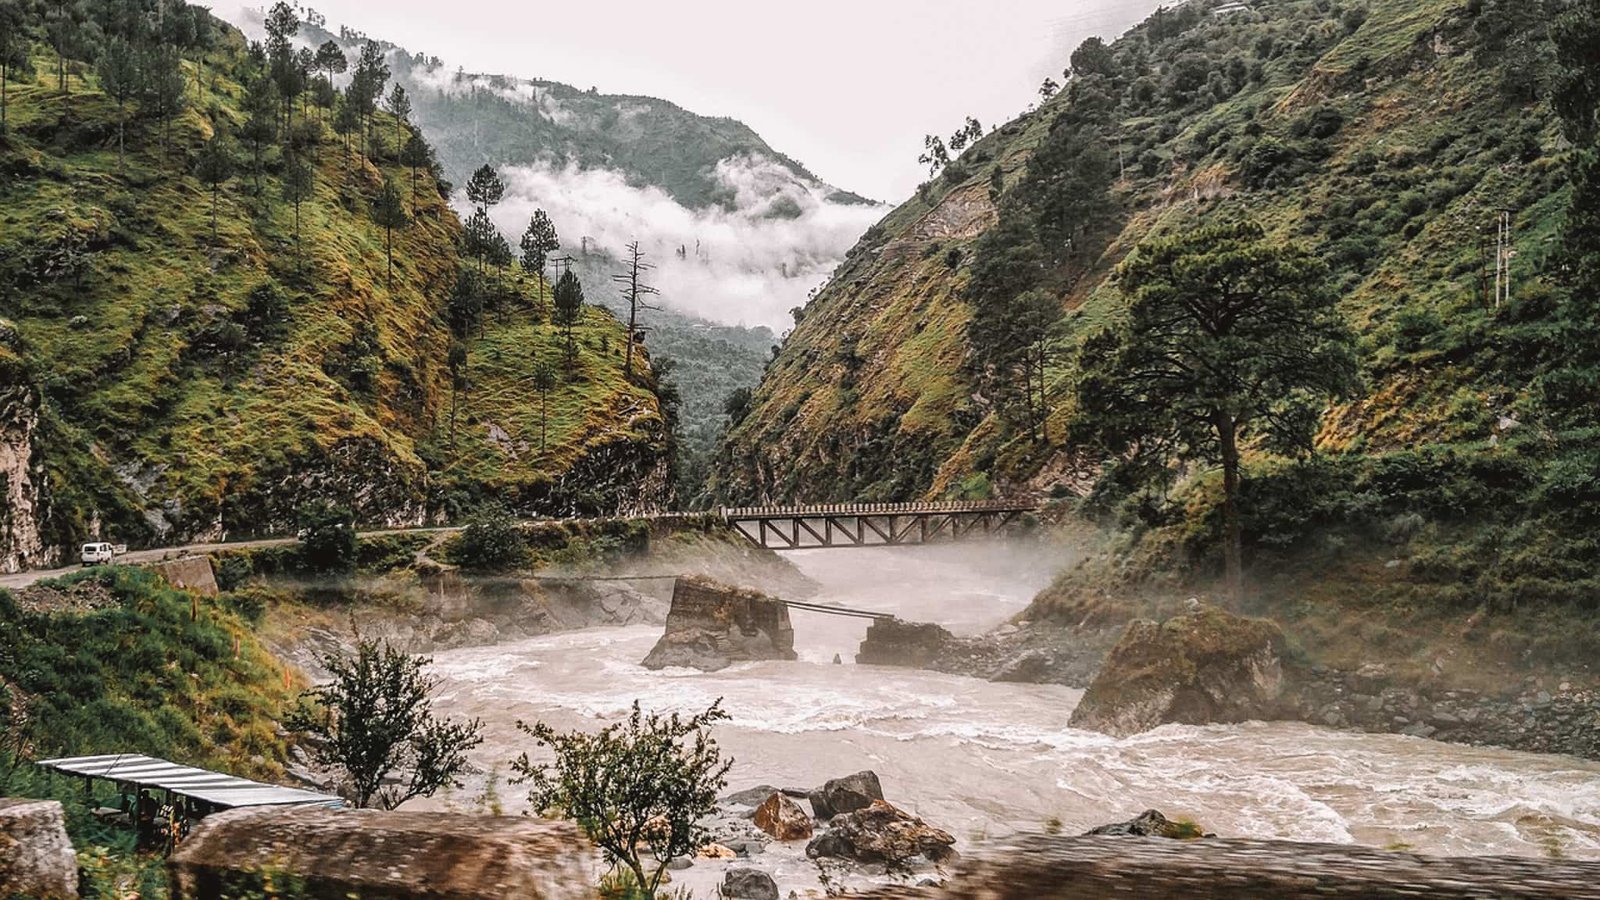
[984, 760]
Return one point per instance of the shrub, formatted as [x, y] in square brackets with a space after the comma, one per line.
[491, 542]
[327, 538]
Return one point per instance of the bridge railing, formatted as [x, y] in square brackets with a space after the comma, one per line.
[876, 509]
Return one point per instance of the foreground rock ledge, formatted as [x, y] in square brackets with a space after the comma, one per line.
[36, 858]
[1091, 868]
[392, 855]
[1202, 668]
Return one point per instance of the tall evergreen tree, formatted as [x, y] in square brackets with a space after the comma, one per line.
[118, 69]
[538, 242]
[214, 167]
[261, 122]
[13, 51]
[65, 28]
[371, 75]
[399, 106]
[331, 59]
[569, 312]
[164, 87]
[544, 381]
[416, 156]
[389, 210]
[299, 184]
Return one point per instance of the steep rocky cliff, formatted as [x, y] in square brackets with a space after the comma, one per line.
[22, 476]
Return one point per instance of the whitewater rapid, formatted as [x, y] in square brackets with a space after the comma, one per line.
[986, 760]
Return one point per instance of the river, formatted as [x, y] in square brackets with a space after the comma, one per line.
[986, 760]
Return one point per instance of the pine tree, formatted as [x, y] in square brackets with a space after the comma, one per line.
[538, 242]
[347, 121]
[544, 381]
[389, 210]
[484, 188]
[416, 155]
[399, 106]
[299, 183]
[13, 51]
[371, 75]
[118, 69]
[164, 87]
[261, 122]
[569, 312]
[214, 168]
[456, 361]
[331, 59]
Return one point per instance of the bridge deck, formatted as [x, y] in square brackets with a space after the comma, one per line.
[871, 524]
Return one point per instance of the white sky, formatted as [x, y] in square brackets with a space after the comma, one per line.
[847, 87]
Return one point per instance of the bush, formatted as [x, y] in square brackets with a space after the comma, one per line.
[491, 542]
[327, 538]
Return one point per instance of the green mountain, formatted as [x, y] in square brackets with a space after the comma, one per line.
[181, 362]
[1385, 136]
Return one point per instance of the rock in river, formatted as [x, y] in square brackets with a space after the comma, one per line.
[842, 795]
[1206, 667]
[881, 833]
[783, 819]
[1150, 823]
[749, 884]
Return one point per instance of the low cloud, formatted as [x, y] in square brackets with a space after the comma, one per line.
[747, 262]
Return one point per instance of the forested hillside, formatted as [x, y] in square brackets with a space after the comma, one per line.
[955, 353]
[230, 289]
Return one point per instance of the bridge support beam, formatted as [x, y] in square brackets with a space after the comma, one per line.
[871, 525]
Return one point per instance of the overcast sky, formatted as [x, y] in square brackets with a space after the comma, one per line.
[847, 87]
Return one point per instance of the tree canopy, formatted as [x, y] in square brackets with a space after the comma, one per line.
[1228, 335]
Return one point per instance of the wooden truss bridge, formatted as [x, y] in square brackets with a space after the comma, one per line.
[872, 524]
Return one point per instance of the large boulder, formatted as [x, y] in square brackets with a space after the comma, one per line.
[881, 833]
[895, 642]
[749, 884]
[36, 858]
[842, 795]
[392, 855]
[1202, 668]
[711, 626]
[783, 819]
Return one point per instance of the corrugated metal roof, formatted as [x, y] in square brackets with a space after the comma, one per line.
[213, 787]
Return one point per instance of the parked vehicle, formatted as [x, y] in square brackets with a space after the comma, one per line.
[98, 554]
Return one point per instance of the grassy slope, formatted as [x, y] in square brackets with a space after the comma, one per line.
[849, 424]
[141, 416]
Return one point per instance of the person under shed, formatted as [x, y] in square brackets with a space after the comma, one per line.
[190, 793]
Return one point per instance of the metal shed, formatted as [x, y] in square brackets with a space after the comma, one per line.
[191, 793]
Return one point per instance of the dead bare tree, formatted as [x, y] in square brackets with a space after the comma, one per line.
[637, 294]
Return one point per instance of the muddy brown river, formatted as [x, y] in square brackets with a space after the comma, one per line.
[987, 760]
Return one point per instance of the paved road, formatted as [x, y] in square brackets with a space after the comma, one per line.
[23, 579]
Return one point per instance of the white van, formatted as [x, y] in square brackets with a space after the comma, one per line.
[98, 554]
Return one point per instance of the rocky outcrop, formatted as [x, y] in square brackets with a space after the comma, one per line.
[783, 819]
[847, 794]
[749, 884]
[1205, 667]
[191, 573]
[1149, 823]
[881, 833]
[22, 474]
[1090, 868]
[896, 642]
[36, 858]
[394, 855]
[710, 626]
